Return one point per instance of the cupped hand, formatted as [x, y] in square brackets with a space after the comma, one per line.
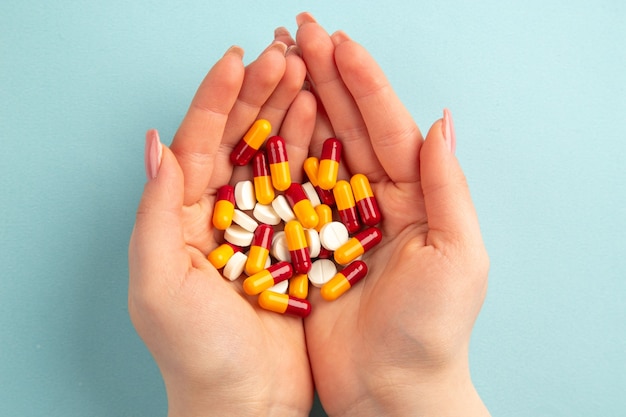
[218, 352]
[397, 342]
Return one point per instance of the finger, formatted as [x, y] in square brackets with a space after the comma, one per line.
[451, 214]
[197, 139]
[348, 125]
[283, 35]
[391, 128]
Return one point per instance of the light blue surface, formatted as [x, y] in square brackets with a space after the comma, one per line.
[538, 92]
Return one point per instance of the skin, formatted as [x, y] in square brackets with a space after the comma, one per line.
[395, 344]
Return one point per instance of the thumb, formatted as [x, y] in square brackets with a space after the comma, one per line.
[451, 214]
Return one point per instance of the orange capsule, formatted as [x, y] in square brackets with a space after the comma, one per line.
[263, 188]
[260, 249]
[329, 163]
[324, 214]
[251, 142]
[279, 163]
[298, 249]
[267, 278]
[284, 304]
[344, 280]
[358, 245]
[220, 255]
[365, 201]
[311, 168]
[224, 208]
[299, 286]
[346, 206]
[301, 206]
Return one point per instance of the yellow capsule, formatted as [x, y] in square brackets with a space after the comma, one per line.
[329, 164]
[260, 249]
[251, 142]
[279, 163]
[324, 214]
[284, 304]
[267, 278]
[344, 280]
[301, 206]
[263, 188]
[311, 167]
[220, 255]
[299, 286]
[224, 207]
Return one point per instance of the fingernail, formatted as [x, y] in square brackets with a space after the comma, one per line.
[278, 45]
[295, 50]
[339, 37]
[235, 50]
[281, 31]
[305, 17]
[153, 154]
[447, 127]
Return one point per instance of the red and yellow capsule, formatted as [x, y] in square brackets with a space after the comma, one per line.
[284, 304]
[299, 286]
[358, 245]
[260, 249]
[279, 163]
[365, 201]
[224, 208]
[251, 142]
[263, 188]
[324, 215]
[311, 168]
[220, 255]
[298, 249]
[344, 280]
[267, 278]
[346, 206]
[301, 206]
[329, 164]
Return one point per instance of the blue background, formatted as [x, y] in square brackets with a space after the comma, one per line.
[537, 89]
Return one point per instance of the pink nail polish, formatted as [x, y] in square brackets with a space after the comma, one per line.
[153, 153]
[448, 130]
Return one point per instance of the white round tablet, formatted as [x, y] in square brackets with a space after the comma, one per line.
[244, 195]
[237, 235]
[266, 214]
[281, 287]
[313, 242]
[280, 250]
[311, 194]
[333, 235]
[235, 266]
[245, 221]
[322, 271]
[283, 209]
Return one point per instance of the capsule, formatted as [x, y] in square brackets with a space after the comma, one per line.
[301, 206]
[220, 255]
[224, 208]
[299, 286]
[358, 245]
[267, 278]
[365, 201]
[260, 249]
[284, 304]
[329, 164]
[251, 142]
[279, 163]
[324, 215]
[298, 249]
[344, 280]
[346, 206]
[263, 188]
[311, 167]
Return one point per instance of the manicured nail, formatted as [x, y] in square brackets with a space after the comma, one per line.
[305, 17]
[339, 37]
[447, 127]
[153, 154]
[235, 50]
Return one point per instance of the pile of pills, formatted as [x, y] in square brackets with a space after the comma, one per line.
[283, 235]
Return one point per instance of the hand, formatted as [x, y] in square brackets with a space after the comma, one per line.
[217, 351]
[397, 342]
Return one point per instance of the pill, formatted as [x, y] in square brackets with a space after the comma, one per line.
[280, 288]
[279, 163]
[357, 245]
[322, 271]
[235, 265]
[346, 206]
[298, 249]
[299, 286]
[311, 194]
[224, 207]
[266, 214]
[284, 304]
[324, 215]
[266, 278]
[344, 280]
[260, 249]
[301, 206]
[244, 195]
[251, 142]
[245, 221]
[366, 203]
[280, 250]
[239, 236]
[311, 166]
[220, 255]
[283, 209]
[313, 242]
[263, 188]
[325, 253]
[333, 235]
[329, 164]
